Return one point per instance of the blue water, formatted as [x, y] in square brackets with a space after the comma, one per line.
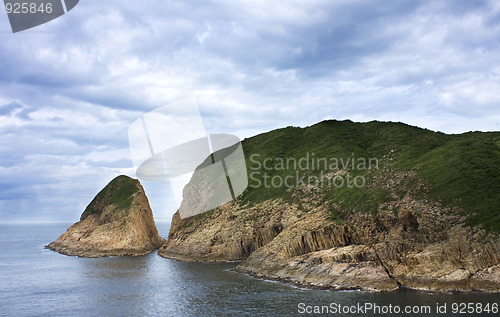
[38, 282]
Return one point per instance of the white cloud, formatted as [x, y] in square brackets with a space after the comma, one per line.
[69, 94]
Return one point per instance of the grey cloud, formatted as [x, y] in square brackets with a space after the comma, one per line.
[68, 95]
[9, 108]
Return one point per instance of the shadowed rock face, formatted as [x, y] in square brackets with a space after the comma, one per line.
[118, 222]
[383, 252]
[422, 246]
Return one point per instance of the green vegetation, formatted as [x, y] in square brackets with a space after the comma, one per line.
[123, 188]
[465, 172]
[358, 199]
[119, 191]
[458, 170]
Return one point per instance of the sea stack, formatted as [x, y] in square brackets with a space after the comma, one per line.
[118, 222]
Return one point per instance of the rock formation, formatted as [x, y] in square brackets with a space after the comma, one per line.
[430, 251]
[426, 218]
[118, 222]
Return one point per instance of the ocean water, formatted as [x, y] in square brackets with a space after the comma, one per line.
[38, 282]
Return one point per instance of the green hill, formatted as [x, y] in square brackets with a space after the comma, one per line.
[461, 171]
[344, 205]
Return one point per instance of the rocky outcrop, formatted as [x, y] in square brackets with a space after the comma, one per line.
[118, 222]
[364, 254]
[229, 233]
[415, 244]
[413, 223]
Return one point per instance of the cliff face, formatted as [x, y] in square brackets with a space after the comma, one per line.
[117, 222]
[420, 247]
[430, 251]
[426, 218]
[229, 233]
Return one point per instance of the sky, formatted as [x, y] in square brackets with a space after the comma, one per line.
[71, 88]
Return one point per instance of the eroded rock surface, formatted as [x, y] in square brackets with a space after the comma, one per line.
[414, 244]
[118, 222]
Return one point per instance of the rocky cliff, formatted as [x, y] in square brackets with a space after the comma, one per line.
[418, 246]
[404, 228]
[117, 222]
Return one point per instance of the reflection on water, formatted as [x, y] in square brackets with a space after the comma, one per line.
[35, 281]
[111, 268]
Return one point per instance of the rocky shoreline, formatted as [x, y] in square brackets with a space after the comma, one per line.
[422, 248]
[304, 285]
[304, 271]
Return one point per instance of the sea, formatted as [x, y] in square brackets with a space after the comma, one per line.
[35, 281]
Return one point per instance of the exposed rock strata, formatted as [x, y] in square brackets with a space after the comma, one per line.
[414, 244]
[229, 233]
[118, 222]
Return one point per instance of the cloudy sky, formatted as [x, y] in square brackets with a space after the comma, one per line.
[70, 88]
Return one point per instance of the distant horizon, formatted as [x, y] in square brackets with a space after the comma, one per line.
[45, 222]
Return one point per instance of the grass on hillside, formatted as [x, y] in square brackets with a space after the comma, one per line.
[119, 191]
[124, 195]
[461, 170]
